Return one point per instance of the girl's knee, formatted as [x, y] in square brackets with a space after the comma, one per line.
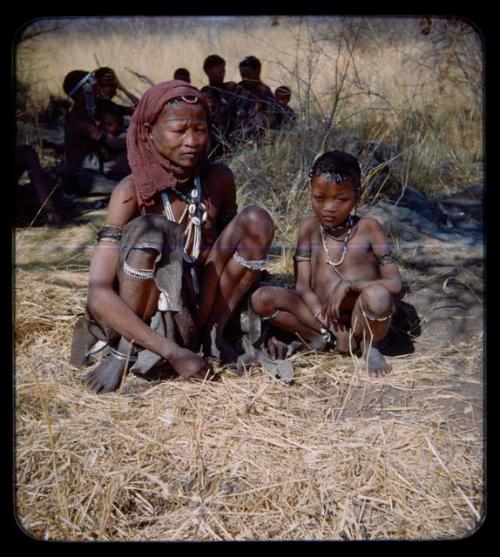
[377, 298]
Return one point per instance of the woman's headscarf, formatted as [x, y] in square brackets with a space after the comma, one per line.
[151, 171]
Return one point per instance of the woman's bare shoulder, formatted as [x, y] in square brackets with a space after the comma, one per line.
[220, 181]
[219, 171]
[123, 205]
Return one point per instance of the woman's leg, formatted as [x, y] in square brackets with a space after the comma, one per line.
[225, 280]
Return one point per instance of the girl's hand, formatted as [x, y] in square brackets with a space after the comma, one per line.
[331, 308]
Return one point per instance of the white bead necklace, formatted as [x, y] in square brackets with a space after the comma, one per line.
[197, 214]
[344, 247]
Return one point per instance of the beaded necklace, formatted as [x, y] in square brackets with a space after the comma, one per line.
[324, 231]
[197, 214]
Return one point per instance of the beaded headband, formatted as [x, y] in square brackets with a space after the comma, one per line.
[81, 83]
[328, 175]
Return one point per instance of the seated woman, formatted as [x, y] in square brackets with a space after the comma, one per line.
[174, 258]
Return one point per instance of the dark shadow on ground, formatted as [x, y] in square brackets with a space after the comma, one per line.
[405, 327]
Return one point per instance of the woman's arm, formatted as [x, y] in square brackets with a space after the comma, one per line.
[103, 301]
[226, 189]
[104, 139]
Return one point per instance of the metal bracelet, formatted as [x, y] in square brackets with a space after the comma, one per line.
[123, 357]
[372, 318]
[110, 233]
[385, 258]
[272, 316]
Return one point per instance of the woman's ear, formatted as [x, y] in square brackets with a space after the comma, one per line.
[149, 131]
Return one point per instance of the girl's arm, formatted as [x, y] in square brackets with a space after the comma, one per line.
[303, 271]
[389, 273]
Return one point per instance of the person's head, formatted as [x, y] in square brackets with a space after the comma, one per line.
[283, 95]
[167, 138]
[107, 82]
[215, 68]
[210, 95]
[81, 87]
[180, 132]
[250, 68]
[335, 187]
[110, 121]
[182, 74]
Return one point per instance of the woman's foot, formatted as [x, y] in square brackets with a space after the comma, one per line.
[107, 376]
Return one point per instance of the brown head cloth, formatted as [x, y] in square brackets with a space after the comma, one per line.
[152, 172]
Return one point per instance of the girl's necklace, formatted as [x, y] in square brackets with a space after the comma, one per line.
[324, 232]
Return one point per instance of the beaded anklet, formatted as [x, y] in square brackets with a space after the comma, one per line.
[255, 265]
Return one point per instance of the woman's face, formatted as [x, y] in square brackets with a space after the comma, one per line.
[180, 133]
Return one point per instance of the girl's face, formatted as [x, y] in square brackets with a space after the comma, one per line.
[180, 133]
[332, 202]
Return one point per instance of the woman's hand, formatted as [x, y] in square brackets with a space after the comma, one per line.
[320, 317]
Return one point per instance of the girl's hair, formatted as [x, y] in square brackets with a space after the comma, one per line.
[338, 163]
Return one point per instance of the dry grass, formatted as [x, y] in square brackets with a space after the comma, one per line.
[371, 78]
[334, 456]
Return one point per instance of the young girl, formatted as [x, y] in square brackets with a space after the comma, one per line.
[346, 276]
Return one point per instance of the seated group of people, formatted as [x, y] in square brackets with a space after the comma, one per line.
[176, 264]
[243, 110]
[95, 140]
[95, 144]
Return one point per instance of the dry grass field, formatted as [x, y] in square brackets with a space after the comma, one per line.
[335, 455]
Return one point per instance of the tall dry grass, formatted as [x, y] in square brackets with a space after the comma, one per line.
[372, 78]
